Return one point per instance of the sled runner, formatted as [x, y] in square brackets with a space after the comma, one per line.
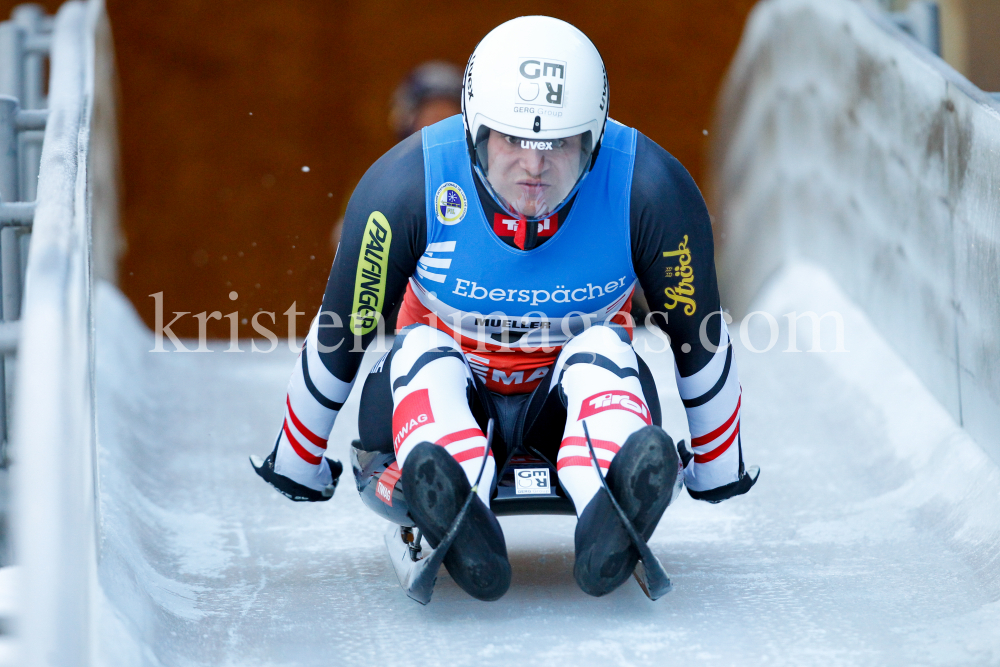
[527, 485]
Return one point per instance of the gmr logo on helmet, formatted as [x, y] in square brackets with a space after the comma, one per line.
[536, 72]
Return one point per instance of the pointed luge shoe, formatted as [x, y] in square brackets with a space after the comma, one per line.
[436, 488]
[642, 477]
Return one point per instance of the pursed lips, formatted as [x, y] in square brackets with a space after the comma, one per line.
[531, 185]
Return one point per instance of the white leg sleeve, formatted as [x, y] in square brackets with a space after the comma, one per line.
[599, 376]
[712, 399]
[314, 399]
[429, 377]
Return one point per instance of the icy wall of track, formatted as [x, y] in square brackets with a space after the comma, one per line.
[52, 440]
[841, 140]
[872, 537]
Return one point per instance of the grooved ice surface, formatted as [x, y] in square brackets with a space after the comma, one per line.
[872, 537]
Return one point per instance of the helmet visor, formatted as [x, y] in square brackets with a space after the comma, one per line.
[533, 176]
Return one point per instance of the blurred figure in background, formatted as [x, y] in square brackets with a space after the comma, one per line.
[432, 91]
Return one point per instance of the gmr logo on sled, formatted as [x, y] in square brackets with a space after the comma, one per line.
[535, 73]
[532, 482]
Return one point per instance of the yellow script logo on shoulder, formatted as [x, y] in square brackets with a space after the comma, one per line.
[450, 204]
[684, 291]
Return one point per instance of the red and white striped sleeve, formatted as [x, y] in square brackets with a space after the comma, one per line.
[712, 400]
[314, 398]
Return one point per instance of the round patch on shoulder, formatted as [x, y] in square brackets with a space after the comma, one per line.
[450, 204]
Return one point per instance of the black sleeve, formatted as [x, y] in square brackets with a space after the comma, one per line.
[673, 253]
[373, 264]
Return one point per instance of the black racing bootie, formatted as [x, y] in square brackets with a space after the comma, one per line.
[436, 488]
[641, 477]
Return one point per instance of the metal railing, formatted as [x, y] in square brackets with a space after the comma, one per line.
[25, 43]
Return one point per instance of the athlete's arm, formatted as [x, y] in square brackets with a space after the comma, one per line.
[393, 189]
[384, 234]
[673, 256]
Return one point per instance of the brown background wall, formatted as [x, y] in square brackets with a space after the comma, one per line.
[223, 102]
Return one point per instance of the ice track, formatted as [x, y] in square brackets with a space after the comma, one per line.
[872, 537]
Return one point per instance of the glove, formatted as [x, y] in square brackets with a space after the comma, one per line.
[748, 477]
[294, 490]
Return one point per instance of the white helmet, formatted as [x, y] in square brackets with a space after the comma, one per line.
[537, 82]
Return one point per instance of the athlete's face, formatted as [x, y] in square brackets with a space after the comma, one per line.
[533, 176]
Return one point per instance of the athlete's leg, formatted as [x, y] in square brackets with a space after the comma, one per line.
[600, 380]
[430, 382]
[598, 375]
[439, 448]
[545, 419]
[313, 401]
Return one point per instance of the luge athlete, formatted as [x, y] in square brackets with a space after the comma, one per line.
[515, 234]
